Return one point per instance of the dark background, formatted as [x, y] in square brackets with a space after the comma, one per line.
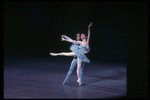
[34, 28]
[119, 29]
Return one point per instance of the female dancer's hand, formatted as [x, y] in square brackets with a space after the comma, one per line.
[85, 52]
[62, 36]
[63, 39]
[90, 24]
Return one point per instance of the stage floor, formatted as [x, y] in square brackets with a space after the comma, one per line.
[43, 77]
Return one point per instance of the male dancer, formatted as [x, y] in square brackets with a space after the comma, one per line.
[74, 63]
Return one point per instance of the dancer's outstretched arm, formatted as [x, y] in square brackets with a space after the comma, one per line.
[66, 38]
[88, 38]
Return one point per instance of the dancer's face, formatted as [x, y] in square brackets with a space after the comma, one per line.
[78, 37]
[83, 36]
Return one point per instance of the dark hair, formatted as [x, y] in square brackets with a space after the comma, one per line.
[76, 34]
[85, 35]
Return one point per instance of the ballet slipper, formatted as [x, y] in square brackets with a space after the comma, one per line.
[79, 82]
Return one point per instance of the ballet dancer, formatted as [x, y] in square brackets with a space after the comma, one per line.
[81, 57]
[74, 61]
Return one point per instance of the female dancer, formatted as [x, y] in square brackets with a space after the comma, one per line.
[81, 57]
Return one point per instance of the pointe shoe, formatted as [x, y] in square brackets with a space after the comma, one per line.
[53, 54]
[79, 82]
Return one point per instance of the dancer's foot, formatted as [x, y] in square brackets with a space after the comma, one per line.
[79, 81]
[53, 54]
[64, 82]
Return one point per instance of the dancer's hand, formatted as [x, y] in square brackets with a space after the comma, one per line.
[63, 39]
[62, 35]
[90, 25]
[85, 52]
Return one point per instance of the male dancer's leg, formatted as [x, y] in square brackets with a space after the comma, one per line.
[73, 64]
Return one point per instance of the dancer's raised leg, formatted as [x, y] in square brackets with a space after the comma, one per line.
[63, 54]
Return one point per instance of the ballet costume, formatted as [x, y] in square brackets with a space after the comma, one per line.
[79, 51]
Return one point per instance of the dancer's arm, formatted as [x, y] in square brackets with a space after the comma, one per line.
[86, 51]
[88, 38]
[66, 38]
[74, 41]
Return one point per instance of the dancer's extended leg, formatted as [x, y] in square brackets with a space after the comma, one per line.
[63, 54]
[73, 64]
[78, 70]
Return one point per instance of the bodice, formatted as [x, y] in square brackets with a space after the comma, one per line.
[84, 48]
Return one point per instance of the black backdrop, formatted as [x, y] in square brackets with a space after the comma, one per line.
[34, 28]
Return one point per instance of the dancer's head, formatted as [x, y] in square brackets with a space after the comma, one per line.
[83, 36]
[78, 37]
